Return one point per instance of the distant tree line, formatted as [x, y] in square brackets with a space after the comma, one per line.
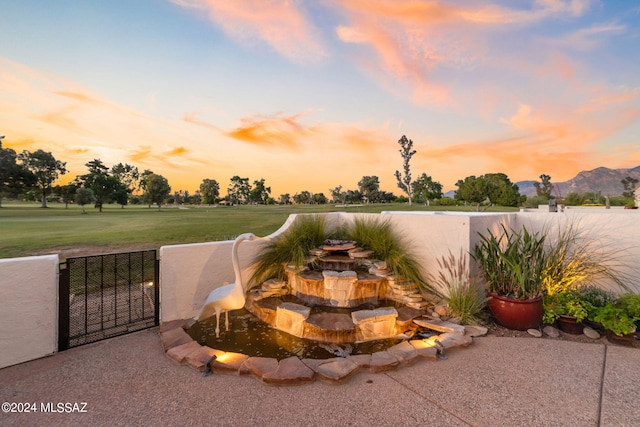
[31, 176]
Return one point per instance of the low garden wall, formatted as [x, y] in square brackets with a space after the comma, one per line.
[188, 273]
[28, 308]
[616, 231]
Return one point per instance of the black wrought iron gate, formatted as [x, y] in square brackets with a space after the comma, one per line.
[103, 296]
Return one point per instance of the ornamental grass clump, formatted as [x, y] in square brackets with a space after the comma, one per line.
[461, 290]
[577, 258]
[376, 235]
[292, 247]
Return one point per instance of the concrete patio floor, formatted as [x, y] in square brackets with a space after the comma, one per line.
[495, 382]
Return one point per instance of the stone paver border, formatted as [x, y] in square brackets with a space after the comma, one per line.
[183, 349]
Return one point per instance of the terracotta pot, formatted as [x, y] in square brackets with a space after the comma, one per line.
[570, 325]
[627, 339]
[517, 314]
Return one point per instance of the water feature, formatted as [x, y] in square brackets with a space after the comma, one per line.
[251, 336]
[342, 302]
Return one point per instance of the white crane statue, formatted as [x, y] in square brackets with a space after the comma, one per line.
[227, 297]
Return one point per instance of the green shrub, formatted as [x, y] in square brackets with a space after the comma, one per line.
[567, 303]
[615, 319]
[535, 201]
[596, 297]
[445, 201]
[630, 303]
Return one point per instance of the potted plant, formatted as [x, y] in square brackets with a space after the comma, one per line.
[618, 324]
[568, 309]
[631, 304]
[512, 264]
[595, 298]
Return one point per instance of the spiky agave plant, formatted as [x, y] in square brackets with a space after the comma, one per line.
[377, 235]
[292, 247]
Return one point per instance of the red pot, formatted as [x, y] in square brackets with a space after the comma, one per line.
[517, 314]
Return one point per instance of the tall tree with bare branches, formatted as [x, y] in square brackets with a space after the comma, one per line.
[406, 151]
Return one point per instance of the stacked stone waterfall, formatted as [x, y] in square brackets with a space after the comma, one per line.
[407, 293]
[339, 275]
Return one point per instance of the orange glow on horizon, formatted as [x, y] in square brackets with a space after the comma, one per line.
[310, 96]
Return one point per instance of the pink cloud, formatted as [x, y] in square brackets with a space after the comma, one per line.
[281, 24]
[415, 42]
[548, 138]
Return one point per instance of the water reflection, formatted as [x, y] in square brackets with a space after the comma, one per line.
[251, 336]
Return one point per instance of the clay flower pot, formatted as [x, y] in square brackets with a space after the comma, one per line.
[517, 314]
[570, 325]
[627, 339]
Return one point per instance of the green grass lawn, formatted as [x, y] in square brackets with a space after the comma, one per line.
[26, 229]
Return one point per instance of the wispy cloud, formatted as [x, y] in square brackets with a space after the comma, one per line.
[549, 136]
[45, 111]
[588, 38]
[284, 131]
[415, 42]
[281, 24]
[290, 133]
[261, 130]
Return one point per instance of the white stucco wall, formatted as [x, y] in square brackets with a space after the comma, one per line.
[188, 273]
[29, 286]
[28, 308]
[611, 231]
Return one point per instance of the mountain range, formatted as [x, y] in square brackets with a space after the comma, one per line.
[606, 181]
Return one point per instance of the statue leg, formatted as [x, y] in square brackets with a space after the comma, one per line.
[217, 322]
[226, 319]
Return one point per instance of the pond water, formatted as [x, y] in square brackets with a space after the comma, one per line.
[249, 335]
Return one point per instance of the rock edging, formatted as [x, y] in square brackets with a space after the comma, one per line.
[184, 350]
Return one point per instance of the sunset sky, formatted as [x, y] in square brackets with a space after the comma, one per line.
[312, 94]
